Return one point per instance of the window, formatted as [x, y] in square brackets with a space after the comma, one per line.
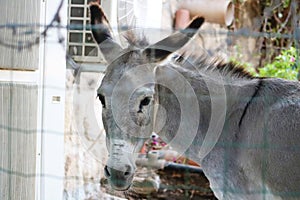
[81, 45]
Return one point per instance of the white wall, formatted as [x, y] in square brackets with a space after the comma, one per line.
[50, 78]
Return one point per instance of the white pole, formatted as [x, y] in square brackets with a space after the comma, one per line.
[53, 86]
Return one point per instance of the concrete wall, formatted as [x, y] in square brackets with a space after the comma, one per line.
[85, 149]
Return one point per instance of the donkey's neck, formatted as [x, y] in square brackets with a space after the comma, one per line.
[233, 96]
[215, 92]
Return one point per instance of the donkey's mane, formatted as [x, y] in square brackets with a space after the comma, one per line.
[205, 62]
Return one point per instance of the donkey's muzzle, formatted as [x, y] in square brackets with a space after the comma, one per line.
[119, 179]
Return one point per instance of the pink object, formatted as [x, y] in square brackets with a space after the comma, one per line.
[182, 18]
[292, 59]
[215, 11]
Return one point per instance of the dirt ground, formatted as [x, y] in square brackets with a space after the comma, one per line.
[174, 185]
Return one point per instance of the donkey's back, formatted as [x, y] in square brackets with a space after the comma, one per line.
[280, 135]
[264, 153]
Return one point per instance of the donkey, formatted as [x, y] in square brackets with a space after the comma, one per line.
[243, 130]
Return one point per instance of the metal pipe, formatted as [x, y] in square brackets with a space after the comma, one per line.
[182, 167]
[153, 161]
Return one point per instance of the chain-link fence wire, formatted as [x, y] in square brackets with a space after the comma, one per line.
[278, 29]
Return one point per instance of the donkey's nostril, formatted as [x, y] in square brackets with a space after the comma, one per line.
[106, 172]
[112, 173]
[127, 171]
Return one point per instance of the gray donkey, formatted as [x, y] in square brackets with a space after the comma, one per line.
[243, 130]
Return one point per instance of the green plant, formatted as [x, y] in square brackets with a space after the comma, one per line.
[286, 3]
[284, 66]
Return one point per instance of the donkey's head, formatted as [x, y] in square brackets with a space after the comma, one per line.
[127, 94]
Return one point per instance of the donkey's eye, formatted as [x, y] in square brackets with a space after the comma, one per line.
[145, 101]
[102, 99]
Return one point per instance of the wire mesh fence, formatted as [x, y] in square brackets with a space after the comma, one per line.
[275, 29]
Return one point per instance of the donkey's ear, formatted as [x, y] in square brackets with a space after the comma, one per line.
[165, 47]
[102, 33]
